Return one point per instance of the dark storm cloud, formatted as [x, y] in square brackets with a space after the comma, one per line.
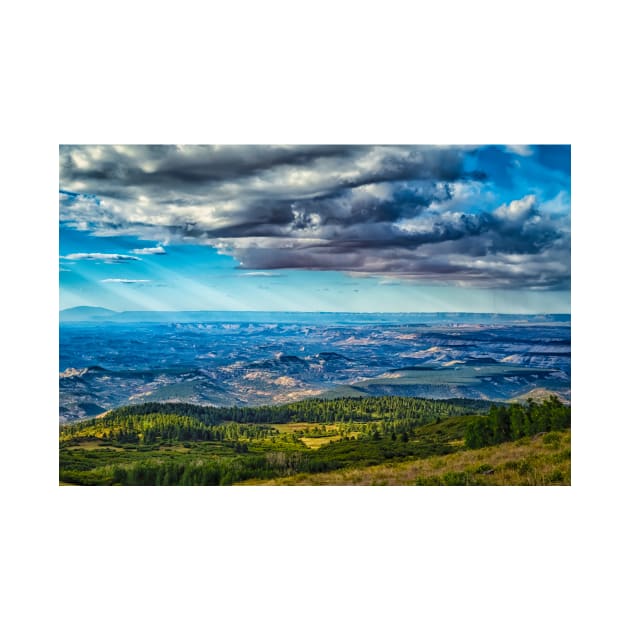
[389, 210]
[178, 174]
[167, 166]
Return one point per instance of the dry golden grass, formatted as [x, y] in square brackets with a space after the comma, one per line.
[317, 442]
[313, 442]
[292, 427]
[529, 461]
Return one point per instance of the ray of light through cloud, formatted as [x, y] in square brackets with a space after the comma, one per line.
[320, 228]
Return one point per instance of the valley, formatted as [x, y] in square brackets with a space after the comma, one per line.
[233, 361]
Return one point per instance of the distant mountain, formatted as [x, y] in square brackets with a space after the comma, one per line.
[95, 314]
[539, 394]
[86, 314]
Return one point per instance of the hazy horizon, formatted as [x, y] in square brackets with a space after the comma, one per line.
[533, 313]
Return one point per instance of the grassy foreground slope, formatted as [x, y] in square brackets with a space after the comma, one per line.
[532, 461]
[381, 440]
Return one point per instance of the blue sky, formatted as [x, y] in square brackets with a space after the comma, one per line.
[318, 228]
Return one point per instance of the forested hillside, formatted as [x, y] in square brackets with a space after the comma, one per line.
[173, 443]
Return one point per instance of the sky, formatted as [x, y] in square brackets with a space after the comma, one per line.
[372, 228]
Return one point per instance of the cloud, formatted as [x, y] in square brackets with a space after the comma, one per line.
[157, 250]
[517, 210]
[418, 213]
[124, 281]
[108, 258]
[520, 149]
[185, 191]
[266, 274]
[515, 245]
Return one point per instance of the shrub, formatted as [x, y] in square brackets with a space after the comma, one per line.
[552, 439]
[483, 469]
[456, 479]
[428, 481]
[562, 456]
